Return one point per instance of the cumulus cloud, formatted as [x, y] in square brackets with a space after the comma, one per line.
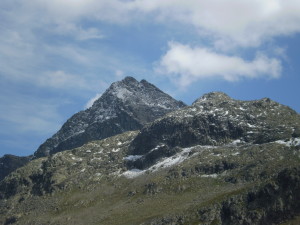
[242, 23]
[186, 64]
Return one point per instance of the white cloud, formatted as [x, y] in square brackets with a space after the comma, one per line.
[61, 79]
[231, 22]
[92, 100]
[185, 65]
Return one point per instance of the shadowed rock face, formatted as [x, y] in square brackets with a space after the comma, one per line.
[125, 105]
[9, 163]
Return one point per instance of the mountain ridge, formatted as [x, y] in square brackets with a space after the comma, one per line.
[125, 105]
[218, 161]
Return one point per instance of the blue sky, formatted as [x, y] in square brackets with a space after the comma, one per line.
[57, 56]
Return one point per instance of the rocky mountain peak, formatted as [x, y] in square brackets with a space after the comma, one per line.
[126, 105]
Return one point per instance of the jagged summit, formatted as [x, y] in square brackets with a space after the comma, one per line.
[213, 97]
[141, 93]
[126, 105]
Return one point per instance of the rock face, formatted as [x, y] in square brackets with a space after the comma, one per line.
[215, 119]
[219, 161]
[125, 105]
[9, 163]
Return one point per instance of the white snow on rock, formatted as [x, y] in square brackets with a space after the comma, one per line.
[214, 175]
[165, 162]
[122, 93]
[173, 160]
[133, 157]
[236, 142]
[236, 153]
[76, 159]
[133, 173]
[116, 150]
[290, 142]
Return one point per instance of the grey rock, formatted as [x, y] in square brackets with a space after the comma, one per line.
[9, 163]
[219, 161]
[126, 105]
[216, 119]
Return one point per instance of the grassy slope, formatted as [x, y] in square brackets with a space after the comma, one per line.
[178, 191]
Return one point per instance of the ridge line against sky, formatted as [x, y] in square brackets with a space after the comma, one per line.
[57, 56]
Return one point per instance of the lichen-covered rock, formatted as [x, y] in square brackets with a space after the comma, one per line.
[69, 169]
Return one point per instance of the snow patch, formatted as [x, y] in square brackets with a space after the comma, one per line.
[93, 159]
[176, 159]
[214, 175]
[133, 157]
[115, 150]
[122, 93]
[250, 125]
[290, 142]
[76, 159]
[236, 153]
[237, 142]
[165, 162]
[101, 151]
[133, 173]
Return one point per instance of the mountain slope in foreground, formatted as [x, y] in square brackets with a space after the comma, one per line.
[219, 161]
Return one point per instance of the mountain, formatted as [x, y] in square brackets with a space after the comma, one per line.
[218, 161]
[9, 163]
[125, 105]
[216, 119]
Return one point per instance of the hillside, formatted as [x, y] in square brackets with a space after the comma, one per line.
[219, 161]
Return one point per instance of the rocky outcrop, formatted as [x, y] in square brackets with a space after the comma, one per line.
[272, 203]
[9, 163]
